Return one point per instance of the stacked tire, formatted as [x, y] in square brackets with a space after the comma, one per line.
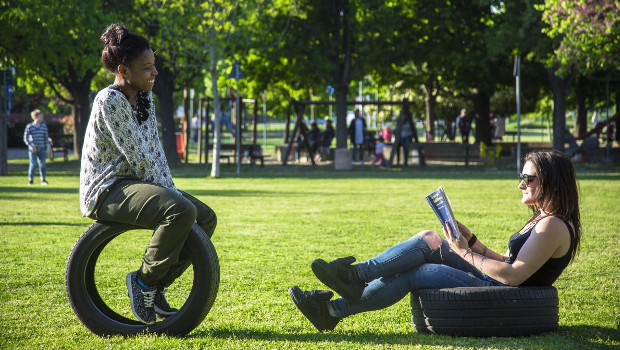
[485, 311]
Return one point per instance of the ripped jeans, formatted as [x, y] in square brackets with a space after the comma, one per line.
[405, 267]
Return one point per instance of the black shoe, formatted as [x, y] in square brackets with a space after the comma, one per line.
[161, 306]
[340, 276]
[141, 299]
[313, 304]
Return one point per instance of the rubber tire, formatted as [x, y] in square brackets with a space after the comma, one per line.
[485, 311]
[101, 320]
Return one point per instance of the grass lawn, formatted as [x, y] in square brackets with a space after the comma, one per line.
[273, 222]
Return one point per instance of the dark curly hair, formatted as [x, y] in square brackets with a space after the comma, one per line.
[558, 192]
[121, 46]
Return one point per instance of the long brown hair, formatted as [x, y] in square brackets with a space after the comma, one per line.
[558, 193]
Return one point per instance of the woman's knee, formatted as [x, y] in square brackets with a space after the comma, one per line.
[431, 238]
[182, 210]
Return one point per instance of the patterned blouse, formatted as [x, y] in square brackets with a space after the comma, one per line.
[120, 142]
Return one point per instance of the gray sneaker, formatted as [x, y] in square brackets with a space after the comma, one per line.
[161, 306]
[141, 299]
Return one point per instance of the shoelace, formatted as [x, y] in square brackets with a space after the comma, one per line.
[149, 297]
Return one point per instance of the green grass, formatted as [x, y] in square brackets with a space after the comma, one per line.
[273, 222]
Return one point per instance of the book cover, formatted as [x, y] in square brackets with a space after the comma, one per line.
[439, 202]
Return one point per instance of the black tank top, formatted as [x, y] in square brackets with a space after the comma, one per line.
[551, 269]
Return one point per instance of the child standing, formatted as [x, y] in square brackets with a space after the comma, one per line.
[379, 146]
[37, 140]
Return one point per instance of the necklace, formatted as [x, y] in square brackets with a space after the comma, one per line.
[143, 104]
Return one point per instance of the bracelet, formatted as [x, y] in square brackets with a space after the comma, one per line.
[471, 241]
[482, 262]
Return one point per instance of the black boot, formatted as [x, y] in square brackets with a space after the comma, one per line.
[313, 304]
[340, 276]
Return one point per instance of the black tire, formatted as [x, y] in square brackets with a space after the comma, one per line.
[98, 317]
[485, 311]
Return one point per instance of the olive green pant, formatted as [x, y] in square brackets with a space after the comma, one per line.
[170, 215]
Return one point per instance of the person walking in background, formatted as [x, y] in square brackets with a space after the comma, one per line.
[357, 130]
[464, 125]
[379, 146]
[125, 176]
[37, 139]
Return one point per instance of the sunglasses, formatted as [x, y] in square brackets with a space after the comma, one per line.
[526, 178]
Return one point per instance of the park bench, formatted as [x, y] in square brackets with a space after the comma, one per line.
[253, 152]
[447, 151]
[60, 144]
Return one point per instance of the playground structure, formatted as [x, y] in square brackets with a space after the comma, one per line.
[203, 113]
[299, 106]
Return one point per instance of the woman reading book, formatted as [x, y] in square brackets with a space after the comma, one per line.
[537, 253]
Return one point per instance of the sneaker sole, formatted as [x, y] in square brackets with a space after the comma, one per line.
[292, 292]
[322, 271]
[130, 295]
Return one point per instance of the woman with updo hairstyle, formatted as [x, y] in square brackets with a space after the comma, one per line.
[125, 176]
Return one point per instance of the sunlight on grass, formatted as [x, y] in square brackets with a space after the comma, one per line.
[272, 223]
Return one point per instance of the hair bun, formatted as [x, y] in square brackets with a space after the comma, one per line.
[114, 34]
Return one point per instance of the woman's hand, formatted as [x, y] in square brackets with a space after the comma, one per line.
[458, 245]
[464, 230]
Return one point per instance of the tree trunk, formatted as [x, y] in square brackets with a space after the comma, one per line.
[559, 86]
[341, 116]
[430, 101]
[164, 88]
[81, 113]
[482, 106]
[581, 119]
[4, 165]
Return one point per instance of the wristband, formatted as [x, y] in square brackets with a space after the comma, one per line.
[472, 240]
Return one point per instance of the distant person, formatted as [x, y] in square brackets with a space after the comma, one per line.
[537, 253]
[301, 141]
[406, 135]
[125, 177]
[314, 137]
[37, 139]
[357, 131]
[379, 147]
[464, 125]
[224, 121]
[327, 136]
[500, 127]
[195, 128]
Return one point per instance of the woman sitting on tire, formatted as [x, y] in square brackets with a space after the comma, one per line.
[125, 176]
[537, 254]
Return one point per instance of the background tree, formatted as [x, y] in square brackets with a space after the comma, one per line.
[59, 43]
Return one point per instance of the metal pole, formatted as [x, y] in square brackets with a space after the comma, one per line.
[238, 126]
[264, 121]
[518, 88]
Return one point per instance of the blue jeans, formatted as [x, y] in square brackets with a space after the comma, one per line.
[34, 157]
[408, 266]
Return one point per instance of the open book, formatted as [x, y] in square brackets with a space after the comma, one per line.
[438, 200]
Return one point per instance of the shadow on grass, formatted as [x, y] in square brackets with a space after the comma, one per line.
[580, 337]
[38, 189]
[26, 223]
